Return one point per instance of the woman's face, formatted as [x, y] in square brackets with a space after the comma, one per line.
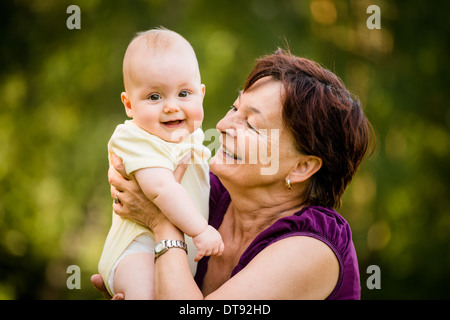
[256, 148]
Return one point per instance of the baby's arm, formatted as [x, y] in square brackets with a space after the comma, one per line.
[160, 186]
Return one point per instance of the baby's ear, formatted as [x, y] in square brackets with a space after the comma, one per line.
[127, 103]
[203, 89]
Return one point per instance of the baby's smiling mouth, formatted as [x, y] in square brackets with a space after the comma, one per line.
[173, 123]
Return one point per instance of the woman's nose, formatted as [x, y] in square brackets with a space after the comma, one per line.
[229, 122]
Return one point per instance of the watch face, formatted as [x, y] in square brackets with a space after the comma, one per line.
[159, 246]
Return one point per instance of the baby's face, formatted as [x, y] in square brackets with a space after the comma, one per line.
[164, 93]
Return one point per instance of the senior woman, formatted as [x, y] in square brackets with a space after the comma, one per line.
[283, 239]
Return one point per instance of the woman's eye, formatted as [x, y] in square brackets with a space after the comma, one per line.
[250, 127]
[183, 94]
[233, 108]
[154, 97]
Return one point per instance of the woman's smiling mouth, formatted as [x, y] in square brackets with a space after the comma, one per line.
[230, 154]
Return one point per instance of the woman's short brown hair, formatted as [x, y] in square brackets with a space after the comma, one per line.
[324, 118]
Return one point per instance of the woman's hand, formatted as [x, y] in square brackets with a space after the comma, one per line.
[97, 281]
[130, 202]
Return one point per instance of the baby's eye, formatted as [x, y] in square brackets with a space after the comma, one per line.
[154, 97]
[233, 108]
[183, 94]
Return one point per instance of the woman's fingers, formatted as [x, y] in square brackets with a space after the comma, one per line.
[114, 177]
[118, 165]
[117, 173]
[120, 183]
[119, 296]
[129, 200]
[114, 192]
[182, 166]
[97, 281]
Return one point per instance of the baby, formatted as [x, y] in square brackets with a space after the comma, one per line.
[163, 96]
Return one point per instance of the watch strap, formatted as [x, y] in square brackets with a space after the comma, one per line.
[169, 244]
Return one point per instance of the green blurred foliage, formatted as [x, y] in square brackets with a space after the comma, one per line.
[60, 101]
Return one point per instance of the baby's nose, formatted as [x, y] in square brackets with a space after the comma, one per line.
[171, 107]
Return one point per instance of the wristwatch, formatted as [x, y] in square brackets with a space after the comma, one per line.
[164, 245]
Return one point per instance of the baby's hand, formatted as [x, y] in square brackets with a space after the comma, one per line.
[208, 243]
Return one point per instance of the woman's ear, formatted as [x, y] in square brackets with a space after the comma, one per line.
[127, 103]
[306, 167]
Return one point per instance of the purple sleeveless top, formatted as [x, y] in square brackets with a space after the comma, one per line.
[320, 223]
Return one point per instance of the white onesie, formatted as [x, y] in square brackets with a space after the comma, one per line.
[139, 149]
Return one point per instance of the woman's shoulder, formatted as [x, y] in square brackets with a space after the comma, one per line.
[323, 224]
[320, 222]
[329, 226]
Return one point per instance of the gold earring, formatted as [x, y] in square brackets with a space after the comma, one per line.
[288, 183]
